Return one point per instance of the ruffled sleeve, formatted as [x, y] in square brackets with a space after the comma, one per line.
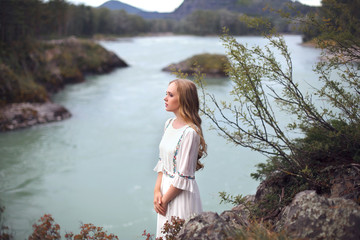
[186, 162]
[159, 166]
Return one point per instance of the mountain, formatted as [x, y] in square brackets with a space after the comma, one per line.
[117, 5]
[249, 7]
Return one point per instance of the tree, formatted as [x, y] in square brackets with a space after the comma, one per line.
[18, 19]
[251, 119]
[57, 15]
[207, 22]
[336, 30]
[317, 141]
[80, 21]
[334, 27]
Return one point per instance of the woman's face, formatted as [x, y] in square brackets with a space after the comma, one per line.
[171, 99]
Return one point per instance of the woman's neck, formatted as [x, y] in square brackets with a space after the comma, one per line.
[179, 121]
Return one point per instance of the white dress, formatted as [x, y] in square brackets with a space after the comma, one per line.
[177, 160]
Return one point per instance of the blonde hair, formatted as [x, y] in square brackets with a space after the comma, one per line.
[189, 111]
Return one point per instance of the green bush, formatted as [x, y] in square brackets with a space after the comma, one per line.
[321, 148]
[209, 62]
[15, 88]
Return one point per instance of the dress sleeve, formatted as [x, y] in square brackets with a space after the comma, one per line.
[159, 166]
[188, 153]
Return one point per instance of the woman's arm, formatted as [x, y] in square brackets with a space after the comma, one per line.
[161, 202]
[158, 183]
[169, 195]
[157, 194]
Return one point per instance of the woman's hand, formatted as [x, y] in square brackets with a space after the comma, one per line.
[168, 197]
[159, 206]
[163, 208]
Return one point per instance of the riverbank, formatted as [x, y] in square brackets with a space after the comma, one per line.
[31, 73]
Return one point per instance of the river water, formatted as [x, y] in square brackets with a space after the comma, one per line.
[96, 167]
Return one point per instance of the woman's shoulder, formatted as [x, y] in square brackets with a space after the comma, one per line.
[191, 136]
[190, 130]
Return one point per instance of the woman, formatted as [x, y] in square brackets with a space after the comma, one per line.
[182, 145]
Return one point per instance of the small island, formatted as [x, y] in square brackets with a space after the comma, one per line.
[213, 65]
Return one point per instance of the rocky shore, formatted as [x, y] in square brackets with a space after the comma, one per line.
[22, 115]
[309, 216]
[48, 67]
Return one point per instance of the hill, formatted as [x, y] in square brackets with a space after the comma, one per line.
[249, 7]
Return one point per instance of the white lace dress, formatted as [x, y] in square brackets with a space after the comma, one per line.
[177, 160]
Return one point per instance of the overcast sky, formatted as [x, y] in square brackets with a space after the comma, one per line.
[160, 5]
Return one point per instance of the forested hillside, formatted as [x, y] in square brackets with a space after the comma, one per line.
[248, 7]
[20, 19]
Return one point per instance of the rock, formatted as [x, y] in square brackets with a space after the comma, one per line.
[213, 65]
[236, 219]
[21, 115]
[346, 182]
[239, 215]
[262, 190]
[209, 225]
[113, 61]
[311, 216]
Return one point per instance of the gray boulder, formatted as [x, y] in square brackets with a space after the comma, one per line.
[209, 226]
[311, 216]
[346, 182]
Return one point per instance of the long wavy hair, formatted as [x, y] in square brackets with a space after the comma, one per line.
[189, 111]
